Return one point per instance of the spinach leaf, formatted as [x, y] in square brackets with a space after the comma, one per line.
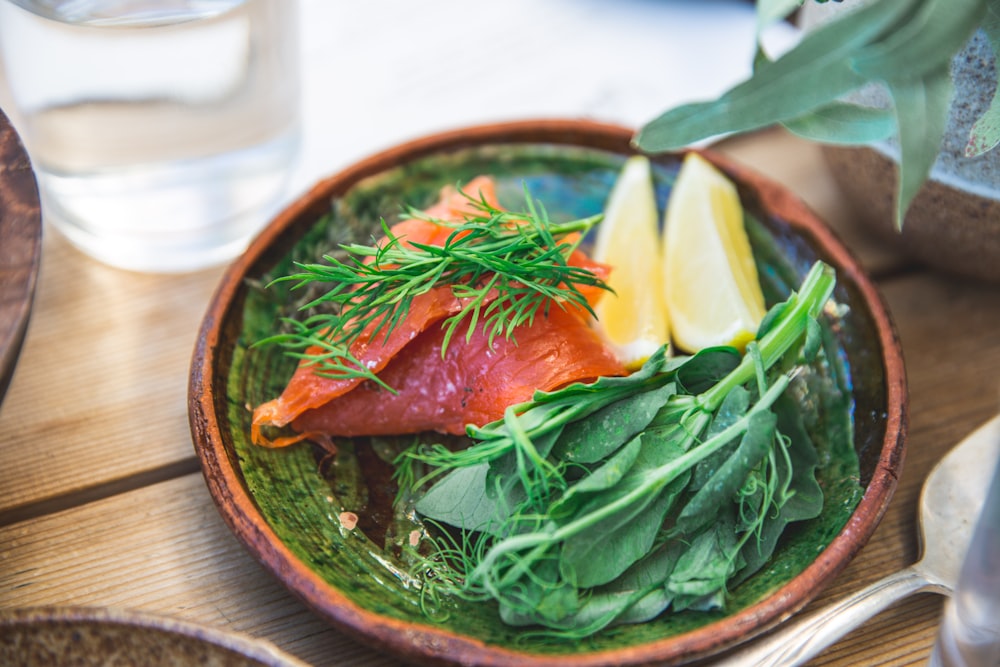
[590, 440]
[610, 502]
[724, 484]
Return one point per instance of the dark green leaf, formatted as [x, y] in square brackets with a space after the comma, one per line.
[629, 532]
[458, 499]
[814, 340]
[602, 478]
[772, 317]
[721, 487]
[703, 570]
[806, 496]
[603, 552]
[733, 407]
[634, 597]
[590, 440]
[638, 595]
[544, 598]
[654, 452]
[706, 368]
[503, 482]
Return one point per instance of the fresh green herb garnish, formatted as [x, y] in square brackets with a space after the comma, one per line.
[608, 503]
[503, 266]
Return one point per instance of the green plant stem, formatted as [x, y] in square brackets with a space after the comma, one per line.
[787, 331]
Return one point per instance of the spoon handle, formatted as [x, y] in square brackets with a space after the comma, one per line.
[803, 639]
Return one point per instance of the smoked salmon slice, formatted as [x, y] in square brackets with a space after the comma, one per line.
[310, 393]
[472, 384]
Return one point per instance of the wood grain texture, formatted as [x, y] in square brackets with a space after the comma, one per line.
[161, 549]
[105, 398]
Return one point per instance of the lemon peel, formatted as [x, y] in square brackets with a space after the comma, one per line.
[711, 287]
[634, 318]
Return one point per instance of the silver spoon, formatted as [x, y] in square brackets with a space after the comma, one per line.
[951, 499]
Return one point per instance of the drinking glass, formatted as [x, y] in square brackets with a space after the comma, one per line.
[161, 132]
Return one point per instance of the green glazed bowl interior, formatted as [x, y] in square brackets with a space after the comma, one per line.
[283, 504]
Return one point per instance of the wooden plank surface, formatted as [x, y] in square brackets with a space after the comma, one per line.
[99, 396]
[163, 549]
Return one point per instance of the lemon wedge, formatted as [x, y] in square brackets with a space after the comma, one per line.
[711, 286]
[634, 318]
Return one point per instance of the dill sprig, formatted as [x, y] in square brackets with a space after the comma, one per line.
[504, 268]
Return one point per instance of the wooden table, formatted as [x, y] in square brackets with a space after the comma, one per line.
[102, 501]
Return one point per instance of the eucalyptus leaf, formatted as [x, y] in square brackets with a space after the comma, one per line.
[844, 123]
[906, 45]
[813, 73]
[922, 114]
[985, 133]
[923, 44]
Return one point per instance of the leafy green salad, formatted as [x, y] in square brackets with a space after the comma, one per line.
[613, 502]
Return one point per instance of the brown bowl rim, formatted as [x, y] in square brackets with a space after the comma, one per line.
[436, 646]
[234, 644]
[21, 241]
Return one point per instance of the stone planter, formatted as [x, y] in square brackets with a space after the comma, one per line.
[954, 222]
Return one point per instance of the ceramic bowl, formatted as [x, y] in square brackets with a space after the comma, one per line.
[20, 247]
[283, 504]
[97, 637]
